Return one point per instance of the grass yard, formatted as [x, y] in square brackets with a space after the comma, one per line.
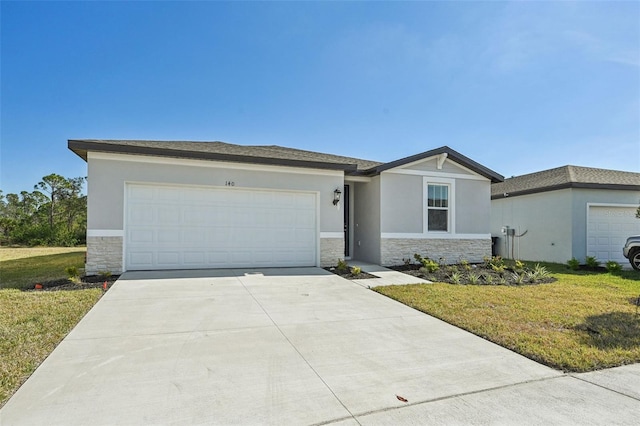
[584, 321]
[20, 271]
[12, 253]
[32, 323]
[31, 326]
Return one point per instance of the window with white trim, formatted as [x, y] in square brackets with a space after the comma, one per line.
[438, 213]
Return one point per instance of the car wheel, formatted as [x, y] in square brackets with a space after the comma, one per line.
[634, 259]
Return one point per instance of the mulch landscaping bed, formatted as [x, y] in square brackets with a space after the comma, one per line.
[89, 281]
[348, 275]
[484, 275]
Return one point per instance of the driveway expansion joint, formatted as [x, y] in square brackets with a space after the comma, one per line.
[300, 354]
[604, 387]
[459, 395]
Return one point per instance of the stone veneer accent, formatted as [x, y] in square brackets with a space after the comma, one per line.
[104, 254]
[331, 249]
[393, 250]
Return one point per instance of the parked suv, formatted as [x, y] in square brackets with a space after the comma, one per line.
[631, 251]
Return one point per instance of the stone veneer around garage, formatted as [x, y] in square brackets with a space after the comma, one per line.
[104, 254]
[394, 250]
[331, 249]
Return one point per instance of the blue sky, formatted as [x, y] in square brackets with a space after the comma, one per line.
[517, 86]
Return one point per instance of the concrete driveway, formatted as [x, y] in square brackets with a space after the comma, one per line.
[294, 346]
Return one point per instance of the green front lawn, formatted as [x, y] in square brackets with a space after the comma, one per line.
[24, 272]
[31, 326]
[584, 321]
[32, 323]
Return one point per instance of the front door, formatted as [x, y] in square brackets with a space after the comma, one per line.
[345, 202]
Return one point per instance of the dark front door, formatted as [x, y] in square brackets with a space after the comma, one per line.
[345, 203]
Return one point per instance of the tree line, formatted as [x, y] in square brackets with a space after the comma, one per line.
[54, 214]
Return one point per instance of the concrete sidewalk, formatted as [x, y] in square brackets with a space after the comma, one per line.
[294, 346]
[385, 276]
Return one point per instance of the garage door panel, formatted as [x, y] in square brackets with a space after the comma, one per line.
[169, 194]
[141, 259]
[608, 228]
[195, 258]
[140, 215]
[183, 227]
[195, 236]
[145, 193]
[219, 258]
[141, 236]
[169, 259]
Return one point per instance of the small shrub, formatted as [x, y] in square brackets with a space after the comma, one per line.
[592, 262]
[73, 274]
[417, 257]
[491, 261]
[540, 272]
[518, 278]
[355, 270]
[430, 265]
[455, 278]
[613, 267]
[519, 265]
[502, 280]
[488, 279]
[495, 263]
[498, 268]
[530, 277]
[424, 271]
[342, 265]
[573, 264]
[104, 275]
[465, 264]
[473, 278]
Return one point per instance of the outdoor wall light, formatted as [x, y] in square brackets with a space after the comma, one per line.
[336, 196]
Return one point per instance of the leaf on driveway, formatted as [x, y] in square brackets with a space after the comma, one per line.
[401, 398]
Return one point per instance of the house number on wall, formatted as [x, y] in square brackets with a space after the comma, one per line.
[229, 183]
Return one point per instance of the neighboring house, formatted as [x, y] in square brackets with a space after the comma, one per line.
[190, 205]
[566, 212]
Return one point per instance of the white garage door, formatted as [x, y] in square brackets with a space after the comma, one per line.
[607, 229]
[172, 227]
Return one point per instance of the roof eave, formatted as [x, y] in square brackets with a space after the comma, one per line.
[82, 147]
[582, 185]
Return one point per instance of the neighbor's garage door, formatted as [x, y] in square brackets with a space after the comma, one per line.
[607, 229]
[199, 227]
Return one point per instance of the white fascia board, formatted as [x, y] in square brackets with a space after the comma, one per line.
[357, 179]
[435, 236]
[432, 173]
[105, 233]
[91, 155]
[404, 170]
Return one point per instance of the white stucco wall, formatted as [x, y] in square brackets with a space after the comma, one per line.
[403, 199]
[402, 213]
[546, 217]
[555, 221]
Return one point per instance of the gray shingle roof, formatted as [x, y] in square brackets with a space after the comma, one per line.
[566, 177]
[263, 154]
